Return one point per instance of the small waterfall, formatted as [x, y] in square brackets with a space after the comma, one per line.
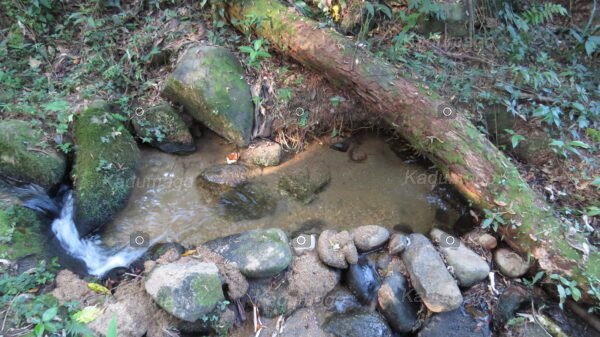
[98, 259]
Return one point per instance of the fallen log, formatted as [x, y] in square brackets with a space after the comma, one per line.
[482, 173]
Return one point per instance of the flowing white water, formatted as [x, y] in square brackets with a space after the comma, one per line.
[98, 259]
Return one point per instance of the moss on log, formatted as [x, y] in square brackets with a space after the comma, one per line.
[466, 157]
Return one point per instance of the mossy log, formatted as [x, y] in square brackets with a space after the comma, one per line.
[465, 156]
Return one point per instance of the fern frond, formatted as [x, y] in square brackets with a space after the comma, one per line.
[542, 14]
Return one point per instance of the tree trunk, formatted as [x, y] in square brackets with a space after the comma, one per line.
[482, 173]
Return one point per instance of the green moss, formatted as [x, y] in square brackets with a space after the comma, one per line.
[165, 299]
[209, 83]
[207, 290]
[303, 186]
[20, 232]
[164, 129]
[25, 156]
[106, 159]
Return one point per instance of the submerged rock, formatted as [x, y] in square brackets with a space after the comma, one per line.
[247, 202]
[394, 303]
[357, 323]
[454, 323]
[370, 237]
[307, 283]
[510, 263]
[263, 153]
[469, 268]
[164, 129]
[209, 82]
[257, 253]
[337, 249]
[26, 157]
[186, 289]
[304, 186]
[106, 157]
[363, 280]
[429, 275]
[220, 177]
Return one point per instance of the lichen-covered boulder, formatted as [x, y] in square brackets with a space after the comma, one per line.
[20, 232]
[26, 157]
[186, 289]
[106, 157]
[164, 129]
[257, 253]
[209, 82]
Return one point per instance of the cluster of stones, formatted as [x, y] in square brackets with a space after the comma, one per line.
[364, 282]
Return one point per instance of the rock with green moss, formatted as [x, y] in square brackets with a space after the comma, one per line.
[21, 232]
[247, 202]
[257, 253]
[25, 156]
[304, 185]
[106, 157]
[164, 129]
[187, 289]
[209, 82]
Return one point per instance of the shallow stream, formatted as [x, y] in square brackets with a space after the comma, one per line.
[167, 205]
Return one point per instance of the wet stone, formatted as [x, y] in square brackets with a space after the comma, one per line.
[337, 249]
[219, 177]
[398, 242]
[370, 237]
[454, 323]
[363, 280]
[246, 202]
[257, 253]
[357, 323]
[395, 304]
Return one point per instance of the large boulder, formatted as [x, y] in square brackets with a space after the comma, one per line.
[209, 82]
[187, 289]
[106, 157]
[25, 155]
[429, 276]
[469, 268]
[164, 129]
[257, 253]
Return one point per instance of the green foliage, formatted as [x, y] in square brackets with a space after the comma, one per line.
[257, 52]
[543, 13]
[492, 220]
[565, 289]
[515, 138]
[531, 283]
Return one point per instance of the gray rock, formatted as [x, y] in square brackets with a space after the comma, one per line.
[186, 289]
[257, 253]
[337, 249]
[398, 243]
[341, 300]
[306, 284]
[510, 263]
[304, 322]
[363, 280]
[357, 323]
[482, 239]
[263, 153]
[395, 303]
[164, 129]
[510, 301]
[453, 324]
[222, 176]
[429, 275]
[369, 237]
[469, 268]
[209, 82]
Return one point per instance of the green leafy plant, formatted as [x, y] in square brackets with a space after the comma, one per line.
[256, 53]
[515, 138]
[565, 289]
[492, 220]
